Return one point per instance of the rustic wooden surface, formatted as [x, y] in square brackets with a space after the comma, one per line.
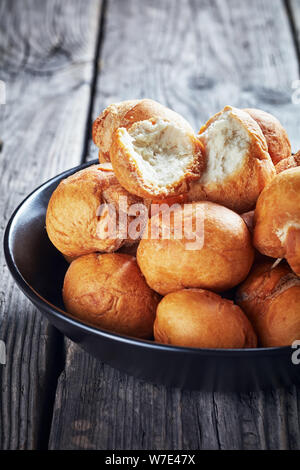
[47, 54]
[195, 56]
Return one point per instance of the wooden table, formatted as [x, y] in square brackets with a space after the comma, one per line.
[62, 63]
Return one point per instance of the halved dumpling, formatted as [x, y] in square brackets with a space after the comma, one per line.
[125, 114]
[155, 158]
[277, 219]
[238, 165]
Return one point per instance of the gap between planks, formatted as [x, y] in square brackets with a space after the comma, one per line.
[57, 371]
[95, 79]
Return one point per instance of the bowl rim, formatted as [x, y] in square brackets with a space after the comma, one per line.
[44, 305]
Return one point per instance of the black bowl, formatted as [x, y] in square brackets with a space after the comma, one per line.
[38, 268]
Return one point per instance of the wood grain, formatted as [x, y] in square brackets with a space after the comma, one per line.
[197, 56]
[293, 8]
[98, 407]
[194, 56]
[47, 52]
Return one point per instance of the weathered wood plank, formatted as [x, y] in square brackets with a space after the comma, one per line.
[293, 7]
[195, 56]
[98, 407]
[47, 52]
